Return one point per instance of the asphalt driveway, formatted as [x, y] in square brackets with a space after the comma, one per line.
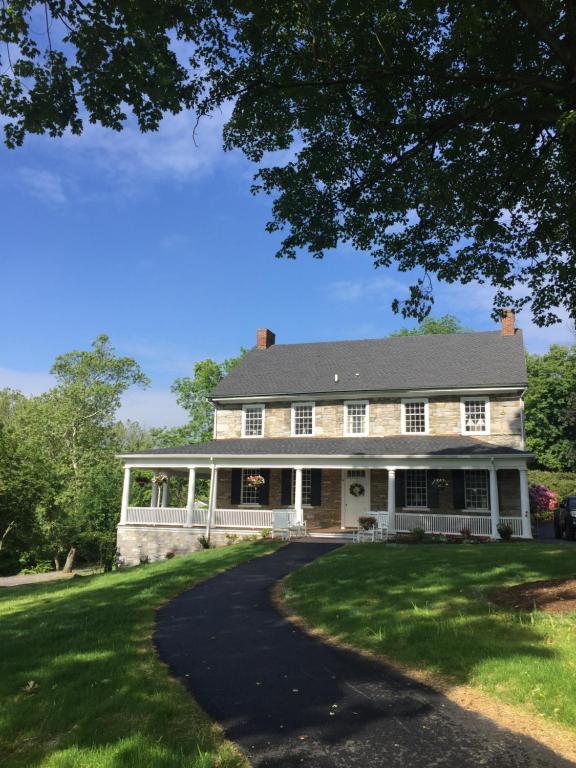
[290, 700]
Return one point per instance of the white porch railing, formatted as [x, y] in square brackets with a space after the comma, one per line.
[156, 515]
[243, 518]
[443, 524]
[515, 523]
[223, 518]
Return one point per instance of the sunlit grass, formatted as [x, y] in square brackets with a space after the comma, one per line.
[426, 606]
[80, 685]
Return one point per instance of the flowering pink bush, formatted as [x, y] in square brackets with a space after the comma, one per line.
[542, 501]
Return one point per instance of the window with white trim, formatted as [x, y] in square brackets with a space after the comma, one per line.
[302, 419]
[416, 488]
[414, 416]
[249, 494]
[476, 495]
[306, 487]
[356, 418]
[475, 415]
[252, 420]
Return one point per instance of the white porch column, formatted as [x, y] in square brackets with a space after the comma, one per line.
[298, 495]
[525, 504]
[154, 495]
[391, 501]
[190, 497]
[165, 492]
[125, 496]
[494, 503]
[212, 500]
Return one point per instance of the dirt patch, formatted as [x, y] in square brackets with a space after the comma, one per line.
[551, 596]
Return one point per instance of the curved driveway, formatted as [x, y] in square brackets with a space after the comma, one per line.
[290, 700]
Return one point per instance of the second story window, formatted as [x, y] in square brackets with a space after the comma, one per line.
[475, 415]
[303, 419]
[414, 416]
[356, 418]
[252, 421]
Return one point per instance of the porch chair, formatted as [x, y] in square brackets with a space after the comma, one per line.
[281, 521]
[297, 528]
[381, 530]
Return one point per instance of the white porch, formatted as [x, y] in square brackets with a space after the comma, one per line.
[248, 519]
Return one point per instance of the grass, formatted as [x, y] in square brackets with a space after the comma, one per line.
[426, 607]
[80, 684]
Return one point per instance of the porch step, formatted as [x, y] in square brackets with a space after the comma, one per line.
[344, 535]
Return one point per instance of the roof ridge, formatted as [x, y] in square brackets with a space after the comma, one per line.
[384, 338]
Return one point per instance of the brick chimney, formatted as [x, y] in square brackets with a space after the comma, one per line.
[508, 322]
[264, 338]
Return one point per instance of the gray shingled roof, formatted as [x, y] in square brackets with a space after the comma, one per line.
[410, 445]
[452, 360]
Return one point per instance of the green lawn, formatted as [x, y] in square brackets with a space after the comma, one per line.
[100, 698]
[425, 606]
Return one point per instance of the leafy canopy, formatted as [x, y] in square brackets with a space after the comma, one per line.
[437, 135]
[433, 325]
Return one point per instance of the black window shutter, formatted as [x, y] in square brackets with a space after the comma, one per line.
[236, 486]
[458, 496]
[286, 493]
[316, 487]
[264, 490]
[400, 487]
[431, 490]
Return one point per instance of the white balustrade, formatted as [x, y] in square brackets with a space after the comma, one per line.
[243, 518]
[156, 515]
[478, 525]
[515, 523]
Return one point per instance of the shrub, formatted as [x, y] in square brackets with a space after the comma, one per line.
[204, 542]
[266, 533]
[144, 559]
[466, 533]
[367, 522]
[44, 566]
[170, 555]
[231, 538]
[505, 531]
[418, 534]
[561, 483]
[542, 501]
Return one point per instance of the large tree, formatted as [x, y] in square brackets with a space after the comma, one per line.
[436, 135]
[550, 398]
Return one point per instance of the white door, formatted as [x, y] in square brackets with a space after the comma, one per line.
[355, 496]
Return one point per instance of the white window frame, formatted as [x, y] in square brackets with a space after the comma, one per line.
[471, 398]
[466, 476]
[408, 507]
[251, 406]
[404, 402]
[245, 471]
[293, 418]
[367, 417]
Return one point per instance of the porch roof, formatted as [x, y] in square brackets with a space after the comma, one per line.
[397, 445]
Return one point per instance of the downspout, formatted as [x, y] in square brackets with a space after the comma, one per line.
[523, 435]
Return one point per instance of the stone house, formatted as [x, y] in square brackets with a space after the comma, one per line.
[427, 429]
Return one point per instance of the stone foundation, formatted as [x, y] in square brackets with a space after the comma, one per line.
[139, 543]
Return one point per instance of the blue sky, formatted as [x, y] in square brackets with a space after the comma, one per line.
[159, 243]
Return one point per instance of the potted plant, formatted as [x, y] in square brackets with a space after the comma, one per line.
[255, 481]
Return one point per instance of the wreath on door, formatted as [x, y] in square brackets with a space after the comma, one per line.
[357, 489]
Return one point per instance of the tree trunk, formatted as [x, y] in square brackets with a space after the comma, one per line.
[69, 560]
[56, 562]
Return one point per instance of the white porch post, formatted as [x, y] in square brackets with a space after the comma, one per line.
[494, 503]
[125, 496]
[165, 492]
[190, 497]
[212, 500]
[391, 500]
[298, 495]
[154, 495]
[525, 504]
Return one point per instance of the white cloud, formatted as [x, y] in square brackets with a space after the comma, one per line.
[45, 185]
[27, 382]
[152, 408]
[362, 289]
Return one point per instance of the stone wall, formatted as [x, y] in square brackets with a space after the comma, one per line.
[137, 542]
[384, 419]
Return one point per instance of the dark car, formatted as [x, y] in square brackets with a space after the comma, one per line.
[565, 518]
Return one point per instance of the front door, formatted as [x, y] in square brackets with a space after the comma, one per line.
[355, 496]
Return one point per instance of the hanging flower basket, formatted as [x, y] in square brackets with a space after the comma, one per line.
[255, 481]
[159, 479]
[440, 482]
